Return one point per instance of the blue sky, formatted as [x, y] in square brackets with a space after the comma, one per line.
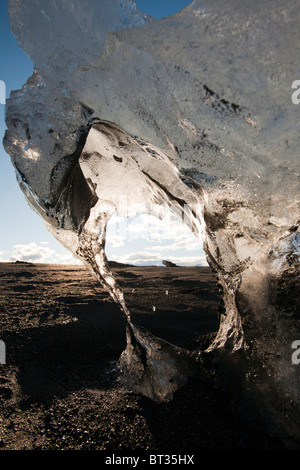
[23, 236]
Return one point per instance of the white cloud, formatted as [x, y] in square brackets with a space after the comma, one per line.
[116, 241]
[150, 228]
[37, 253]
[150, 240]
[143, 240]
[147, 258]
[186, 244]
[152, 255]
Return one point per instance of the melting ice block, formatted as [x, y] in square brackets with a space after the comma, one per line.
[191, 113]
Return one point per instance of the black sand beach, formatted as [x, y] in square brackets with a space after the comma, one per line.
[63, 336]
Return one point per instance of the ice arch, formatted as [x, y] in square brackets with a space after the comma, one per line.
[208, 90]
[115, 172]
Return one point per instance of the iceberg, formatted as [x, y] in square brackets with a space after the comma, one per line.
[193, 114]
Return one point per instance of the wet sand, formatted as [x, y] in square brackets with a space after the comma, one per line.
[63, 336]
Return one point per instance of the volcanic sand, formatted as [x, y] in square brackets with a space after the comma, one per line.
[63, 333]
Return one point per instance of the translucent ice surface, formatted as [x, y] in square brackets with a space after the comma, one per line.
[192, 113]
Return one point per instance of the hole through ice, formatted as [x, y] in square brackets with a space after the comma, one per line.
[146, 240]
[158, 263]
